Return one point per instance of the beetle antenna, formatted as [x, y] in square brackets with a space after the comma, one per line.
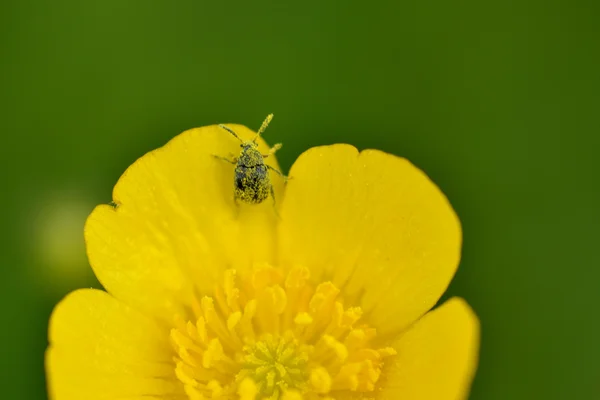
[230, 131]
[263, 127]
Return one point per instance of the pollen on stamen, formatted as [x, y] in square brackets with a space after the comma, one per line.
[275, 336]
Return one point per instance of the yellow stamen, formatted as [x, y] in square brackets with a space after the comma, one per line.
[275, 336]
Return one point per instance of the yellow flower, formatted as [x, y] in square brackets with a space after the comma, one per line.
[325, 298]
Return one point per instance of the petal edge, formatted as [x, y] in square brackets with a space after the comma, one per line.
[100, 349]
[375, 225]
[437, 357]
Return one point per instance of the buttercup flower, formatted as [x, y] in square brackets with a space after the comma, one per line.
[323, 293]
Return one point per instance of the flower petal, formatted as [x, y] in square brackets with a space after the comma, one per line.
[175, 225]
[102, 349]
[375, 225]
[437, 357]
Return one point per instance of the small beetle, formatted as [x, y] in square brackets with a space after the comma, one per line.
[252, 183]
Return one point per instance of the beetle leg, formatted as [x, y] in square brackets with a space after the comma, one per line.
[278, 172]
[273, 150]
[236, 201]
[234, 161]
[274, 203]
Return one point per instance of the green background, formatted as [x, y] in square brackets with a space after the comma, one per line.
[497, 101]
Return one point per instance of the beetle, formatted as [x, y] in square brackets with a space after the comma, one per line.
[252, 182]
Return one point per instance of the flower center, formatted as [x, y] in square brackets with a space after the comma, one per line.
[275, 365]
[275, 336]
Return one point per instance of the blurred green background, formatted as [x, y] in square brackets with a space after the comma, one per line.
[497, 101]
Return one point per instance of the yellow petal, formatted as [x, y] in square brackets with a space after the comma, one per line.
[102, 349]
[436, 358]
[176, 225]
[374, 224]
